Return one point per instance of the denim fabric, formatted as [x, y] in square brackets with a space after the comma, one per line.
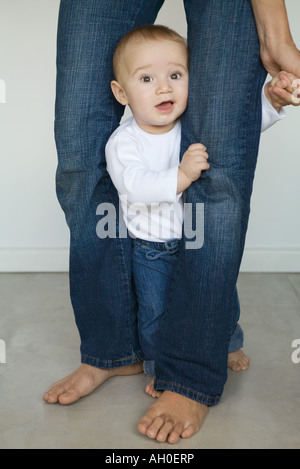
[224, 114]
[236, 334]
[153, 268]
[86, 113]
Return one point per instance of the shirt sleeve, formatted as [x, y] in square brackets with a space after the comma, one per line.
[269, 114]
[131, 176]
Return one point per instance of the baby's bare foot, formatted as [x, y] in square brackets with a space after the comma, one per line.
[172, 417]
[151, 391]
[84, 381]
[238, 361]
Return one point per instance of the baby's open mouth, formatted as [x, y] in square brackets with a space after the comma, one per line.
[165, 105]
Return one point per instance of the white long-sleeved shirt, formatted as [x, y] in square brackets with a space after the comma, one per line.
[144, 169]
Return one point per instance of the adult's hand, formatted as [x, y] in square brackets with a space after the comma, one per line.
[284, 56]
[277, 48]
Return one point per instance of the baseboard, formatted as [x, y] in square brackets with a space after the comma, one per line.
[57, 260]
[271, 260]
[34, 260]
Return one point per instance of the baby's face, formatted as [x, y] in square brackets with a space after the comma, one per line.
[154, 77]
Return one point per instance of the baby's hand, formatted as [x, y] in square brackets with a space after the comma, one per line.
[193, 162]
[282, 90]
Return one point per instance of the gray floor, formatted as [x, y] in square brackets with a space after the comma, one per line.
[260, 407]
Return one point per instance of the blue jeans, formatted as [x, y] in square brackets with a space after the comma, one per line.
[153, 269]
[224, 112]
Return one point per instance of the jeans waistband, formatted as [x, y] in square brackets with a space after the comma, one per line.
[171, 246]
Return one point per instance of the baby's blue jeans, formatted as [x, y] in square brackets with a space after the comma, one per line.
[153, 269]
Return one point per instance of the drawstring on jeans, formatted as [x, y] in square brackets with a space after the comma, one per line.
[171, 248]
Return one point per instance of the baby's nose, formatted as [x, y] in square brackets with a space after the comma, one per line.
[164, 86]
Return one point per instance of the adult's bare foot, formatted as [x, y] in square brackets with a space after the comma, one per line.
[172, 417]
[238, 361]
[84, 381]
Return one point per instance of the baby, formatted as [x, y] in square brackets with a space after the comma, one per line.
[151, 68]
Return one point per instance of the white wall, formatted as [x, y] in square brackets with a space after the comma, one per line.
[33, 234]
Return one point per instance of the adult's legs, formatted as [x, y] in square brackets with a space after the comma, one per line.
[86, 114]
[224, 113]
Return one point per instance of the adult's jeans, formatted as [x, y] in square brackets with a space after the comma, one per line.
[224, 114]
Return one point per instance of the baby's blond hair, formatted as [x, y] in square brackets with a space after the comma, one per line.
[145, 33]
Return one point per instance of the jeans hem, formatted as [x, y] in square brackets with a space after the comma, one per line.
[187, 392]
[99, 363]
[235, 348]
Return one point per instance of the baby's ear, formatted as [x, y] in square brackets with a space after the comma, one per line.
[119, 92]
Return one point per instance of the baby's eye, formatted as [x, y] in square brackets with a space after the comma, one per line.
[146, 79]
[175, 76]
